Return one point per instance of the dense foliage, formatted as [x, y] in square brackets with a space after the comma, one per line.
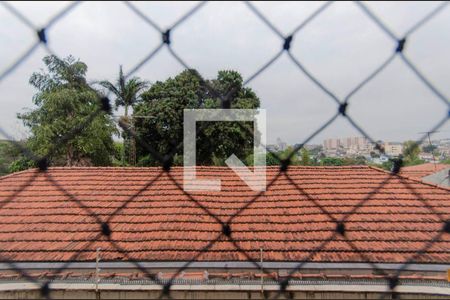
[65, 104]
[127, 93]
[158, 118]
[69, 128]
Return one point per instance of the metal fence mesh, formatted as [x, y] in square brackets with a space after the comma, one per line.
[166, 158]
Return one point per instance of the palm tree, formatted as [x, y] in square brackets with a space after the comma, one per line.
[127, 94]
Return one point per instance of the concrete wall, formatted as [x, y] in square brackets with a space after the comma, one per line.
[86, 294]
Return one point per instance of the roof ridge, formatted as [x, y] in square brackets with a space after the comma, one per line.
[201, 167]
[415, 180]
[429, 163]
[18, 173]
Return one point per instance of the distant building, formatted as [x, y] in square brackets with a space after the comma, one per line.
[444, 147]
[281, 145]
[361, 143]
[380, 160]
[355, 144]
[309, 147]
[272, 148]
[393, 149]
[330, 144]
[426, 156]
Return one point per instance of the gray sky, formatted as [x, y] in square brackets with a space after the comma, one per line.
[340, 47]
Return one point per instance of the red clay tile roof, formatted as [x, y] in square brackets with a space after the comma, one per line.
[56, 216]
[420, 171]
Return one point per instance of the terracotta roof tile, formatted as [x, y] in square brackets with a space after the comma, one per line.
[57, 216]
[420, 171]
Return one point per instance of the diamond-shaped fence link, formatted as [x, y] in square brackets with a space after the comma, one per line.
[166, 159]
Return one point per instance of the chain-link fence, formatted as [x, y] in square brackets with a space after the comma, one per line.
[166, 159]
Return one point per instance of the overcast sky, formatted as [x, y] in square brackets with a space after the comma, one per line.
[340, 47]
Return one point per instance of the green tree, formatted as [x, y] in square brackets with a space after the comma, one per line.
[118, 155]
[332, 161]
[411, 150]
[9, 152]
[388, 165]
[374, 154]
[161, 117]
[316, 150]
[20, 164]
[305, 160]
[349, 161]
[64, 103]
[271, 160]
[289, 152]
[127, 93]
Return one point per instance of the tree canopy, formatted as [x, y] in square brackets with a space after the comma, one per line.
[411, 150]
[66, 103]
[127, 93]
[69, 128]
[158, 118]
